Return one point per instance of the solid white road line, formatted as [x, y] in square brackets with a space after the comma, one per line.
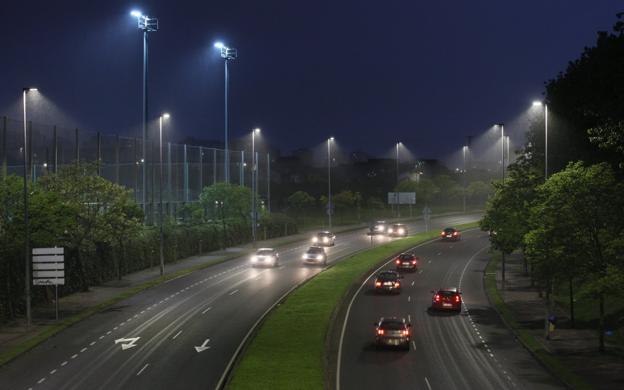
[205, 311]
[142, 369]
[176, 335]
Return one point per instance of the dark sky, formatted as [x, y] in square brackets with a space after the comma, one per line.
[427, 73]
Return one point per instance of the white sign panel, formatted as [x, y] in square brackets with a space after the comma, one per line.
[401, 198]
[48, 266]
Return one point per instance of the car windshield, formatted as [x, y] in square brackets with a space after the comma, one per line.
[324, 234]
[264, 252]
[388, 276]
[406, 256]
[398, 226]
[392, 325]
[315, 250]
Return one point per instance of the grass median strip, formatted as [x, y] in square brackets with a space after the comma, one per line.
[551, 362]
[287, 351]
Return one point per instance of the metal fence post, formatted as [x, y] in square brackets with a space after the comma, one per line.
[77, 151]
[30, 152]
[4, 147]
[136, 170]
[186, 183]
[55, 148]
[269, 182]
[242, 169]
[214, 165]
[169, 178]
[117, 158]
[99, 153]
[201, 170]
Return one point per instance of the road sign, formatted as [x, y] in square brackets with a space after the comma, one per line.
[49, 270]
[401, 198]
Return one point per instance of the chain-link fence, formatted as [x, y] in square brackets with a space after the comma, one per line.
[184, 172]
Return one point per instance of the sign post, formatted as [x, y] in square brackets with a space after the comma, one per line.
[427, 217]
[49, 269]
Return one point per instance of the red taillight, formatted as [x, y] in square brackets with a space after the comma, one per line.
[437, 298]
[457, 299]
[414, 262]
[380, 332]
[397, 261]
[441, 233]
[397, 284]
[378, 284]
[405, 332]
[455, 233]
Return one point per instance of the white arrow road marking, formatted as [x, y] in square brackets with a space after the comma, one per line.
[127, 343]
[203, 347]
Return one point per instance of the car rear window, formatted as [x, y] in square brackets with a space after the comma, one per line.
[406, 256]
[387, 276]
[447, 293]
[449, 230]
[392, 325]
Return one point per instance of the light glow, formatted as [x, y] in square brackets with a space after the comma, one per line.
[537, 103]
[219, 45]
[136, 13]
[166, 116]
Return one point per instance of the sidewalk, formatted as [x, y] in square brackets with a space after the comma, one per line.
[575, 348]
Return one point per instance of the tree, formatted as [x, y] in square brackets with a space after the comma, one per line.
[236, 201]
[580, 213]
[300, 203]
[478, 192]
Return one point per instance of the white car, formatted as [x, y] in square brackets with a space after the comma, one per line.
[315, 255]
[324, 238]
[265, 257]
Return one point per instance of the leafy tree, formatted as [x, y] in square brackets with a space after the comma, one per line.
[478, 191]
[300, 203]
[236, 201]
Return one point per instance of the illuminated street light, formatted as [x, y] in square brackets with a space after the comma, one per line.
[254, 184]
[329, 194]
[538, 103]
[464, 151]
[147, 25]
[160, 192]
[228, 54]
[27, 281]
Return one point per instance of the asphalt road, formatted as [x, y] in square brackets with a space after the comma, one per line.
[181, 334]
[471, 350]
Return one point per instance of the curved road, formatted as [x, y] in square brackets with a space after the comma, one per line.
[183, 333]
[471, 350]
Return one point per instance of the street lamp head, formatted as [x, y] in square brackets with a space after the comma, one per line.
[331, 138]
[499, 124]
[256, 130]
[537, 103]
[219, 45]
[136, 13]
[166, 115]
[30, 89]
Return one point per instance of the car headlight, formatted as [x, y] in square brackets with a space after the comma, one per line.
[254, 259]
[401, 231]
[315, 239]
[304, 256]
[325, 239]
[389, 230]
[319, 257]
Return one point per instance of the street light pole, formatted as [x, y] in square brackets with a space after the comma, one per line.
[148, 25]
[396, 193]
[538, 103]
[228, 54]
[502, 127]
[160, 195]
[329, 195]
[26, 220]
[254, 185]
[465, 149]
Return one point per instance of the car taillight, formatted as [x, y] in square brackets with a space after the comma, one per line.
[454, 233]
[457, 299]
[378, 284]
[405, 332]
[380, 332]
[397, 261]
[441, 233]
[397, 284]
[414, 262]
[437, 298]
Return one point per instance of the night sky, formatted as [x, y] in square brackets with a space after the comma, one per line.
[427, 73]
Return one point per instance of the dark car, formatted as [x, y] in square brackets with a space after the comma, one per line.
[397, 230]
[324, 238]
[393, 332]
[264, 257]
[448, 298]
[406, 262]
[388, 281]
[315, 255]
[450, 234]
[379, 227]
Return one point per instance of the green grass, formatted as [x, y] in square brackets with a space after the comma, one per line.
[288, 350]
[552, 363]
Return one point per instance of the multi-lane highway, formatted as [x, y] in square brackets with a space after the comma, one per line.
[469, 350]
[182, 334]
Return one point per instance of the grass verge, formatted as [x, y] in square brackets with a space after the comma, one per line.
[288, 349]
[532, 344]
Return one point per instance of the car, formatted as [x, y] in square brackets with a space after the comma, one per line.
[324, 238]
[450, 234]
[379, 227]
[388, 281]
[315, 255]
[264, 257]
[448, 298]
[393, 332]
[406, 262]
[397, 230]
